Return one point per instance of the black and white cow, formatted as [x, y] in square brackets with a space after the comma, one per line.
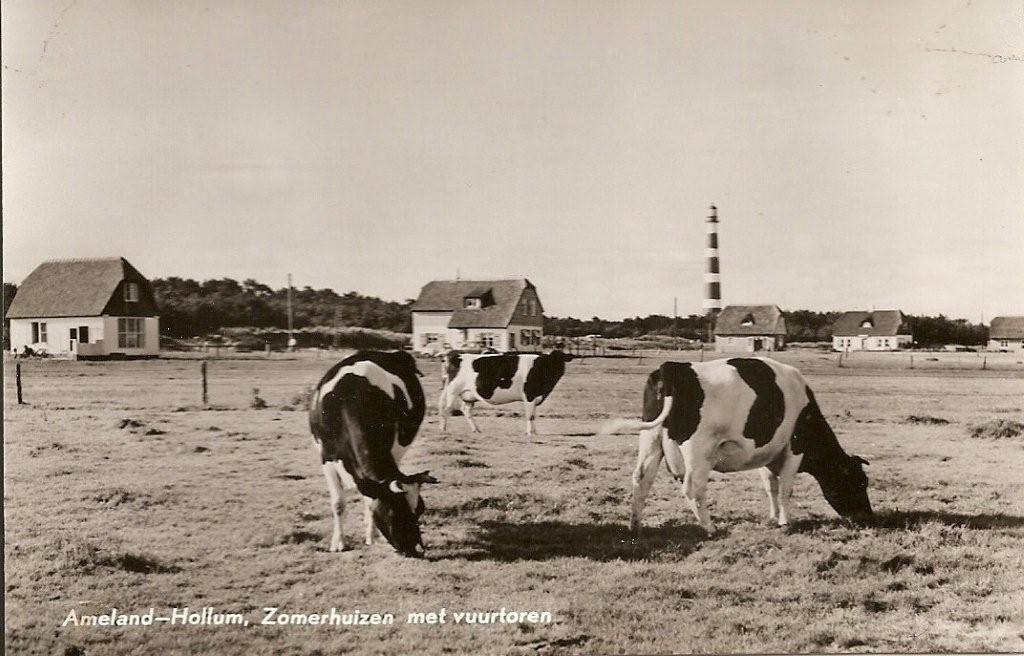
[499, 379]
[735, 415]
[364, 414]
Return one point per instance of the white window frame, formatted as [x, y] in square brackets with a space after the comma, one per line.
[131, 292]
[131, 332]
[487, 340]
[472, 304]
[39, 332]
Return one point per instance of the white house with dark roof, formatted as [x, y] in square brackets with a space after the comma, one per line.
[1006, 334]
[505, 315]
[878, 330]
[750, 328]
[88, 308]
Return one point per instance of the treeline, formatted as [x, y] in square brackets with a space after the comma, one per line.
[189, 308]
[691, 327]
[801, 326]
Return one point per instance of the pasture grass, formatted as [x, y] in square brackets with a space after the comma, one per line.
[123, 491]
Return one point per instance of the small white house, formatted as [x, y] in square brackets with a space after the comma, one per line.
[1006, 334]
[505, 315]
[85, 308]
[878, 330]
[750, 328]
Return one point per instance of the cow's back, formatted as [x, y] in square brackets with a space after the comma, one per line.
[748, 397]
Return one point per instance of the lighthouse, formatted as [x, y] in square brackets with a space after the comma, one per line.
[712, 276]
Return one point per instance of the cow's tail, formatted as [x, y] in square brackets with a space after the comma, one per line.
[613, 426]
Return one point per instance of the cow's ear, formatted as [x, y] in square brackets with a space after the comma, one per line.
[422, 477]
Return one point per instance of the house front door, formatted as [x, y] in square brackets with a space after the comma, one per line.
[757, 344]
[72, 338]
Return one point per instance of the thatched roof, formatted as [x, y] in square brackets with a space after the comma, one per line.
[879, 323]
[750, 320]
[501, 299]
[80, 288]
[1007, 328]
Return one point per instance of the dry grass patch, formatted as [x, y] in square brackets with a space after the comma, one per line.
[998, 429]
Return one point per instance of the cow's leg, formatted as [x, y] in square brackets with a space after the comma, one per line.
[334, 486]
[467, 409]
[695, 482]
[787, 477]
[647, 461]
[695, 489]
[771, 487]
[530, 410]
[444, 404]
[371, 529]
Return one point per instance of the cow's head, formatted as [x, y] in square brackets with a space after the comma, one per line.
[404, 363]
[846, 487]
[396, 513]
[559, 354]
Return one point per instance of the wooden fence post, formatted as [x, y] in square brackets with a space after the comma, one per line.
[203, 368]
[911, 360]
[984, 365]
[17, 376]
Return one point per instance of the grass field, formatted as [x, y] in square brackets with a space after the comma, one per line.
[122, 491]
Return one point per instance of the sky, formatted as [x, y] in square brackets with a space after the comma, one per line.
[861, 154]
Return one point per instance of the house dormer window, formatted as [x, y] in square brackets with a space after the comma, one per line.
[131, 292]
[748, 320]
[867, 324]
[472, 303]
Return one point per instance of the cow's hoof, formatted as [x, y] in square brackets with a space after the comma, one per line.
[338, 548]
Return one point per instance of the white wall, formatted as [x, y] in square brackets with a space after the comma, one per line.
[745, 343]
[865, 343]
[58, 336]
[536, 333]
[1011, 345]
[152, 339]
[433, 323]
[436, 323]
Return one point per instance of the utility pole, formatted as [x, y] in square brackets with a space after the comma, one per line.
[675, 319]
[291, 338]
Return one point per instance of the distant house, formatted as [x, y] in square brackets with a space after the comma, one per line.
[878, 330]
[505, 315]
[1006, 334]
[89, 308]
[750, 328]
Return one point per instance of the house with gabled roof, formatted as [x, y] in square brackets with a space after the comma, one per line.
[750, 328]
[878, 330]
[86, 308]
[1006, 334]
[505, 315]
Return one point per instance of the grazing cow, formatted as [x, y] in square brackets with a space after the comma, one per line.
[364, 414]
[499, 379]
[735, 415]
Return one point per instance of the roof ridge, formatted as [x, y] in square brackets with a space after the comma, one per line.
[66, 260]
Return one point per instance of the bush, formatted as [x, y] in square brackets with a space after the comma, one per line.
[257, 339]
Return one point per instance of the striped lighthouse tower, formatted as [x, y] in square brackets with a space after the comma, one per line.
[712, 277]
